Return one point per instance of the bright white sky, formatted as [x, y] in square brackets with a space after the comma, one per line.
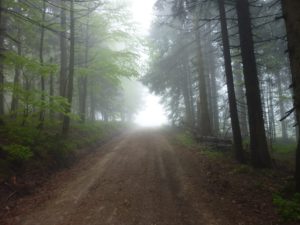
[142, 13]
[153, 113]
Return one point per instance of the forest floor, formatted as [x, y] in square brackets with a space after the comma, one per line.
[147, 177]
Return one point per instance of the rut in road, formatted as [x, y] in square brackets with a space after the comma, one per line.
[137, 178]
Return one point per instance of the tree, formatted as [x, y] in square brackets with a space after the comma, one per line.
[2, 48]
[204, 126]
[291, 16]
[258, 143]
[63, 50]
[66, 121]
[237, 137]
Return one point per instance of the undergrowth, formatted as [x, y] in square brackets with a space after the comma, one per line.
[24, 147]
[288, 208]
[185, 138]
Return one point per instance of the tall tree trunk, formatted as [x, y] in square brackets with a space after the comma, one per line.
[63, 51]
[2, 31]
[186, 97]
[84, 79]
[242, 106]
[66, 121]
[204, 125]
[282, 109]
[15, 97]
[237, 137]
[191, 95]
[93, 106]
[214, 95]
[42, 110]
[272, 124]
[26, 86]
[291, 9]
[258, 143]
[51, 93]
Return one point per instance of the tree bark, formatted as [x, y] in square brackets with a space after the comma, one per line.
[237, 137]
[186, 97]
[51, 93]
[204, 124]
[271, 115]
[66, 121]
[41, 50]
[84, 79]
[258, 143]
[214, 95]
[291, 9]
[15, 98]
[242, 106]
[282, 109]
[63, 51]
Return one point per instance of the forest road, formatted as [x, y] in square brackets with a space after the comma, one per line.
[141, 177]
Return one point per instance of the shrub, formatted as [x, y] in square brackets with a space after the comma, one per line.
[289, 209]
[17, 154]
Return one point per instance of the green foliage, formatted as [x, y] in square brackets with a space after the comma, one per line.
[186, 139]
[30, 99]
[18, 153]
[212, 153]
[289, 209]
[29, 64]
[284, 148]
[26, 145]
[21, 135]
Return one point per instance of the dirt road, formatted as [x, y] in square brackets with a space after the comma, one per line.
[137, 178]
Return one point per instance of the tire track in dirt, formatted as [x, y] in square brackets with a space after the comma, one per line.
[135, 179]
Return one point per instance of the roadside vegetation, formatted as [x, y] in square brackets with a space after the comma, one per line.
[274, 186]
[27, 150]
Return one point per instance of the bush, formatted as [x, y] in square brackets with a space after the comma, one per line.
[289, 209]
[17, 154]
